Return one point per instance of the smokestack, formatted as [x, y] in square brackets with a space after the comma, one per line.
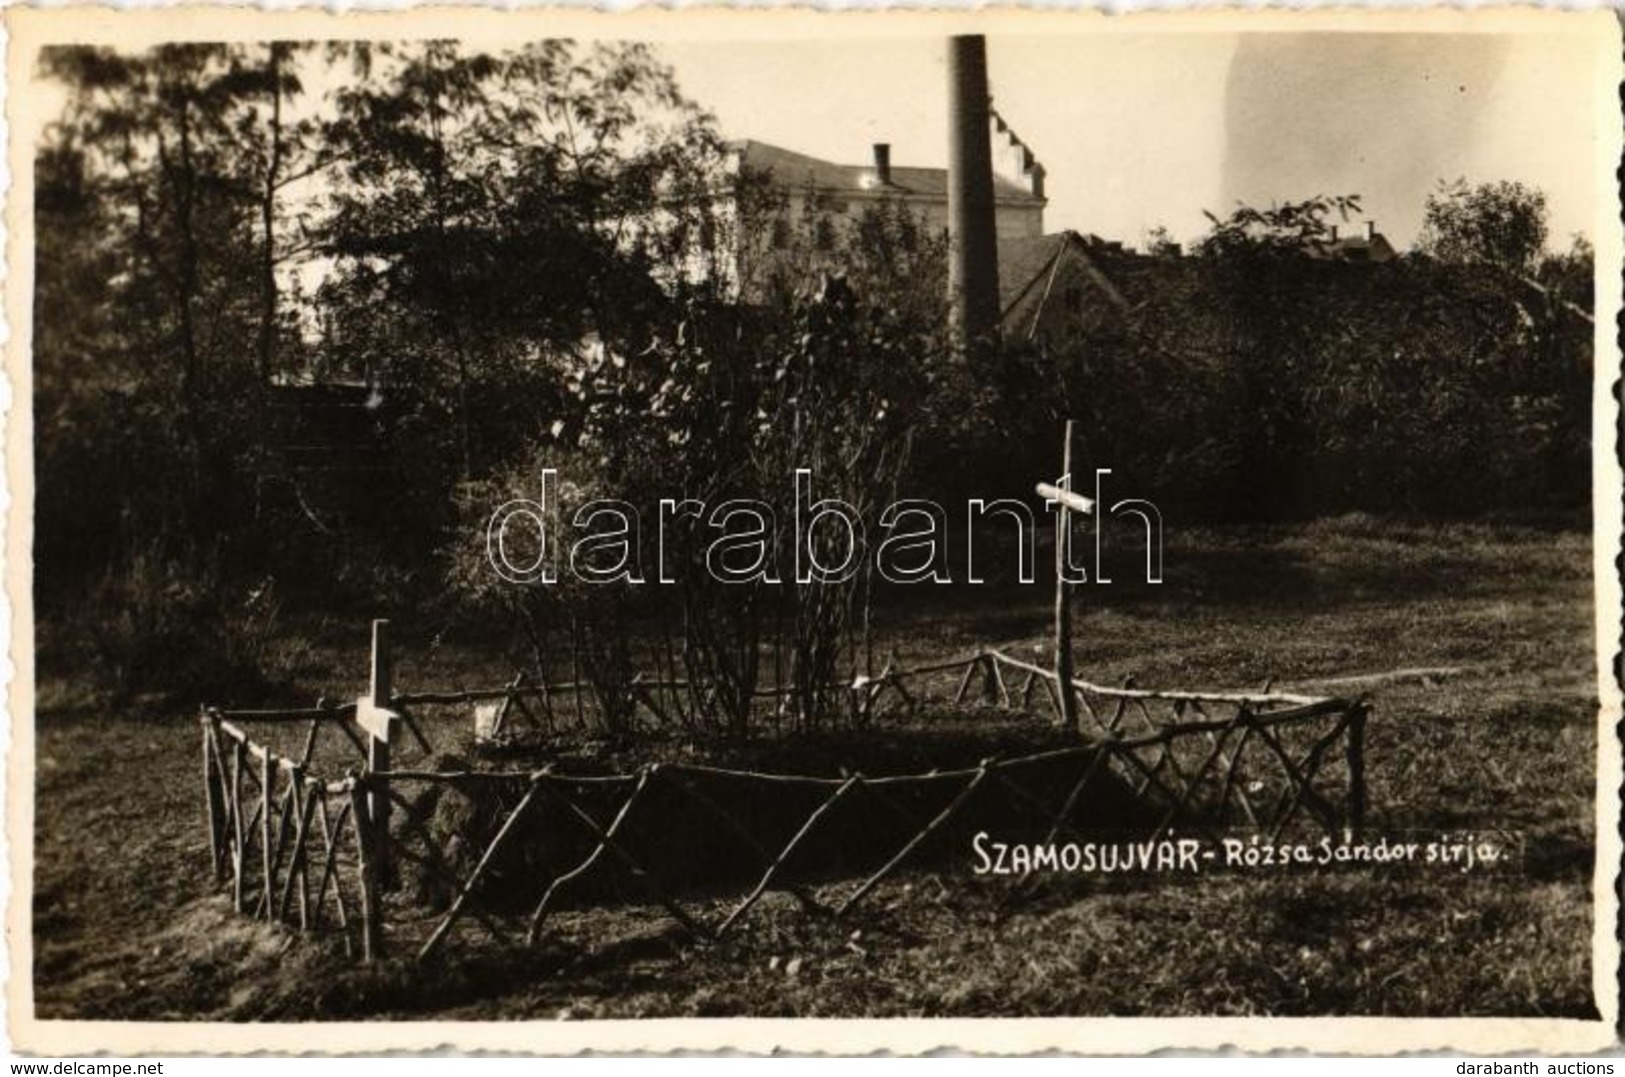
[1334, 233]
[1370, 230]
[883, 164]
[973, 277]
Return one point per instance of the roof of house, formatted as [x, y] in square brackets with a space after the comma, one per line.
[1022, 262]
[797, 169]
[1375, 248]
[1025, 263]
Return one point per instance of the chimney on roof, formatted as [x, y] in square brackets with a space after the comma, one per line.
[973, 267]
[883, 164]
[1334, 234]
[1370, 230]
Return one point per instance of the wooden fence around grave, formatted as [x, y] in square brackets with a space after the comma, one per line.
[335, 844]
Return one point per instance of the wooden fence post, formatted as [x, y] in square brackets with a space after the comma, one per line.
[1356, 767]
[1063, 592]
[211, 799]
[239, 855]
[374, 715]
[367, 874]
[267, 774]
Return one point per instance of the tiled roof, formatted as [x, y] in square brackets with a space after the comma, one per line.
[1021, 261]
[1024, 262]
[1354, 248]
[791, 169]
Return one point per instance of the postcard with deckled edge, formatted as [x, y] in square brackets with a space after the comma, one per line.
[1005, 531]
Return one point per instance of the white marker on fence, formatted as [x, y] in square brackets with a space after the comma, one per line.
[373, 714]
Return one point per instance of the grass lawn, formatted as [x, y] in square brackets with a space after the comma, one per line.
[125, 925]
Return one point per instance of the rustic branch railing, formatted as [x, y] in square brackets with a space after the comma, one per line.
[327, 855]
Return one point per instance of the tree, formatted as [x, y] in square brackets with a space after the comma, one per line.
[1284, 228]
[1501, 227]
[158, 300]
[833, 373]
[1258, 261]
[501, 208]
[887, 251]
[157, 135]
[1502, 224]
[1571, 276]
[289, 150]
[156, 315]
[1159, 242]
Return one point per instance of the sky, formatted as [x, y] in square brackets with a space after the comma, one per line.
[1141, 130]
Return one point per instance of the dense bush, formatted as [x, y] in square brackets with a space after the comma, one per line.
[723, 409]
[1256, 381]
[147, 626]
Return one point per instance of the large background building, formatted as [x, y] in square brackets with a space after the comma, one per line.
[826, 196]
[847, 189]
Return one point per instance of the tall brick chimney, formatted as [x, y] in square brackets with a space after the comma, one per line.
[973, 277]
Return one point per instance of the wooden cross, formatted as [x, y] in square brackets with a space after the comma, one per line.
[1066, 499]
[1066, 502]
[374, 716]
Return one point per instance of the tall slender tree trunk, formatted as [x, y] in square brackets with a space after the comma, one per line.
[465, 436]
[273, 174]
[185, 182]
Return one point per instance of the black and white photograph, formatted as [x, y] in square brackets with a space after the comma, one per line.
[560, 522]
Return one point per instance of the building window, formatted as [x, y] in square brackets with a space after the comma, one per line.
[824, 234]
[781, 232]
